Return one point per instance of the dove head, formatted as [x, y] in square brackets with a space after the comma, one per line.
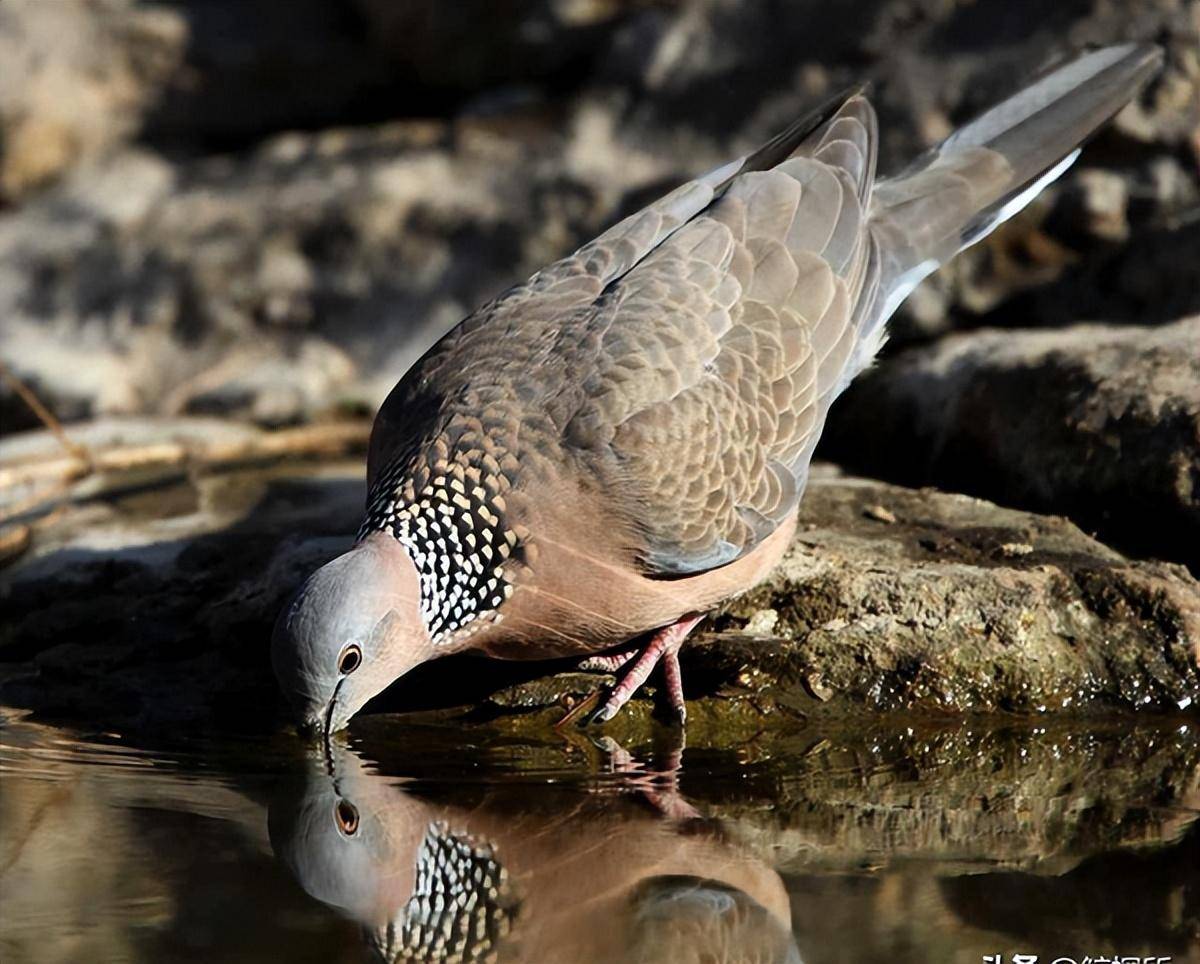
[354, 627]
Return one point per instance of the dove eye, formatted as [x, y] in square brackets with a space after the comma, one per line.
[346, 817]
[350, 659]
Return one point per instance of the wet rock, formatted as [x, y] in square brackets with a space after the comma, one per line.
[937, 612]
[154, 606]
[1098, 422]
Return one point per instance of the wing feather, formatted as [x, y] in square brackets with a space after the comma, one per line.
[714, 457]
[686, 359]
[685, 356]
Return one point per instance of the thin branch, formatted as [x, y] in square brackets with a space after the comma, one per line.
[56, 477]
[44, 414]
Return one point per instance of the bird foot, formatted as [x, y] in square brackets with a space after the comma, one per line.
[663, 647]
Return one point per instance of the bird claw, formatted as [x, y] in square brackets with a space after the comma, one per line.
[663, 648]
[603, 715]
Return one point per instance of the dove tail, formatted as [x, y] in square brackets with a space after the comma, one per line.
[987, 171]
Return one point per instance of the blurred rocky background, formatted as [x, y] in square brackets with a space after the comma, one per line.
[261, 212]
[266, 210]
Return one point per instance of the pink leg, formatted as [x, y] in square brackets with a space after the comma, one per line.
[664, 645]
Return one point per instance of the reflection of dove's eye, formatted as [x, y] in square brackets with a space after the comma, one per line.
[346, 817]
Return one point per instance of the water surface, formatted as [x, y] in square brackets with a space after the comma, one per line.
[909, 842]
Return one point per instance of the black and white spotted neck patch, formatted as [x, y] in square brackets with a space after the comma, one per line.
[451, 519]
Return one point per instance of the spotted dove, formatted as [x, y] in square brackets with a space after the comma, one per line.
[603, 453]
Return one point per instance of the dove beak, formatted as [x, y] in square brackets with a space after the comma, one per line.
[321, 722]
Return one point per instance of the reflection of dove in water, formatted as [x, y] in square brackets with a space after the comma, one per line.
[685, 919]
[621, 443]
[604, 882]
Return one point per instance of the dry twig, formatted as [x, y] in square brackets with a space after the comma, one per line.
[44, 414]
[58, 475]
